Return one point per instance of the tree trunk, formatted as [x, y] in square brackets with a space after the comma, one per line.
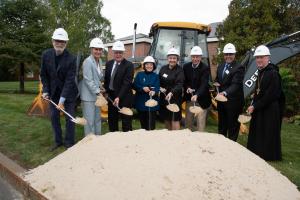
[22, 75]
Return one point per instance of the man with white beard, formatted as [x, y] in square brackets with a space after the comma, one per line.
[58, 71]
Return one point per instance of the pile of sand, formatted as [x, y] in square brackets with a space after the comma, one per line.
[159, 165]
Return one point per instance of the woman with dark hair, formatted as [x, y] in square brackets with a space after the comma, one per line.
[171, 78]
[146, 84]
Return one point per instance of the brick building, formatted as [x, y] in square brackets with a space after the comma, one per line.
[142, 46]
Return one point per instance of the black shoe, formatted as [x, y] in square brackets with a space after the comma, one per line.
[68, 145]
[54, 147]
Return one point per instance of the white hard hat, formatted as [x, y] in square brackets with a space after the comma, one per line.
[229, 48]
[96, 43]
[262, 50]
[60, 34]
[196, 51]
[118, 46]
[173, 51]
[149, 59]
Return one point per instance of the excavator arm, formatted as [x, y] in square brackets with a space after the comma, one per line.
[281, 49]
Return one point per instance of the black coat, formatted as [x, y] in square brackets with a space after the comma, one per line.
[61, 79]
[232, 83]
[122, 81]
[172, 80]
[197, 79]
[264, 133]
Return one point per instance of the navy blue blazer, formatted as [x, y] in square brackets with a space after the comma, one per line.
[61, 79]
[232, 81]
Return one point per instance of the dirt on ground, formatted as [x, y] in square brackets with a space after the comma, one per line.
[159, 165]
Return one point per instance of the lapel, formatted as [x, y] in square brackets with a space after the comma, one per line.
[230, 70]
[220, 71]
[52, 62]
[95, 67]
[120, 67]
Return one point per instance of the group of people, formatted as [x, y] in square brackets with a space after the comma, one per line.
[173, 84]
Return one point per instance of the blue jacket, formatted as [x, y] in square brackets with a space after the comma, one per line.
[90, 84]
[141, 80]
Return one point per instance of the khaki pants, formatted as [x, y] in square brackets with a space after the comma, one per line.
[200, 118]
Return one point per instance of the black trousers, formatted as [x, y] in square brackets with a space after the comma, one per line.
[56, 126]
[147, 119]
[228, 113]
[113, 117]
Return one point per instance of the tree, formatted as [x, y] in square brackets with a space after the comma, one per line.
[254, 22]
[22, 36]
[82, 20]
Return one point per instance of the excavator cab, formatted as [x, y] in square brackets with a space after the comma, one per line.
[180, 35]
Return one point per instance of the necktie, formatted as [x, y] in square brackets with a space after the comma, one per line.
[225, 68]
[111, 83]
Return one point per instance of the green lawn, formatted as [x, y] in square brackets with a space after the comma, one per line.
[27, 139]
[13, 87]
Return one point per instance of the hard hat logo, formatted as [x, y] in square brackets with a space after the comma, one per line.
[229, 48]
[60, 34]
[262, 50]
[118, 46]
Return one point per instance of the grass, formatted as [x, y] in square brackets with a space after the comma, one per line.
[27, 139]
[13, 87]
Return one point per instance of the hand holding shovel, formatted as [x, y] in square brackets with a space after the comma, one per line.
[124, 110]
[245, 118]
[195, 109]
[171, 106]
[151, 102]
[220, 96]
[77, 120]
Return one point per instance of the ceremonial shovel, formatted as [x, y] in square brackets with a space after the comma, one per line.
[77, 120]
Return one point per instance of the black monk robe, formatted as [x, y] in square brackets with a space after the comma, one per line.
[264, 134]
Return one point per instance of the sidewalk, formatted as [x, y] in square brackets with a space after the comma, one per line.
[11, 171]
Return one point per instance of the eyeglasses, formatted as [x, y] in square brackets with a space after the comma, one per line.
[228, 54]
[60, 41]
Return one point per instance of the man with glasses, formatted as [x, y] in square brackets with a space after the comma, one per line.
[117, 83]
[230, 76]
[58, 70]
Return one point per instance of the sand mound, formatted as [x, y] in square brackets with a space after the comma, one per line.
[159, 165]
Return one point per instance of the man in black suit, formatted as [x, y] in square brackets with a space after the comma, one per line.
[118, 84]
[230, 76]
[196, 89]
[58, 70]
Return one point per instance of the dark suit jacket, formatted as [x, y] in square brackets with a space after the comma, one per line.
[197, 79]
[61, 79]
[232, 83]
[122, 82]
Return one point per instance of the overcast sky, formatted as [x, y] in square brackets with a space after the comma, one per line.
[123, 14]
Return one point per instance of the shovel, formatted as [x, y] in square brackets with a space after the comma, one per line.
[195, 109]
[245, 118]
[124, 110]
[171, 106]
[77, 120]
[101, 101]
[219, 97]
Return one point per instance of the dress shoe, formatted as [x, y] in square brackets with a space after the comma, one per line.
[54, 147]
[68, 145]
